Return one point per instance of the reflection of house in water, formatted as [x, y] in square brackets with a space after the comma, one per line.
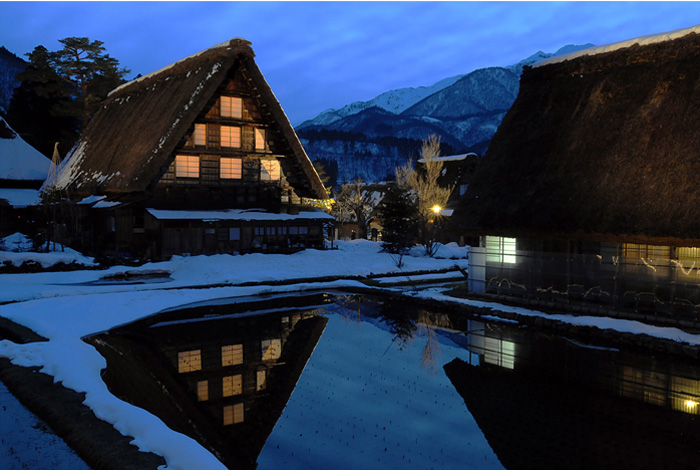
[222, 379]
[555, 404]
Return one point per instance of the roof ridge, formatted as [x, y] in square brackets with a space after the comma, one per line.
[237, 42]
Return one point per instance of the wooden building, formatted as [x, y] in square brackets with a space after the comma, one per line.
[588, 191]
[197, 157]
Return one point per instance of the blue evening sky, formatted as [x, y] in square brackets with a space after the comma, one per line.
[318, 55]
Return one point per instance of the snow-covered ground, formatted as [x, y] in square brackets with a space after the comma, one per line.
[66, 306]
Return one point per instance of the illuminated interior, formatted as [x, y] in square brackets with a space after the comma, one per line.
[500, 249]
[186, 166]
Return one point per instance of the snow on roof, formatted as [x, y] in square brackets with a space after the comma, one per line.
[19, 198]
[228, 43]
[18, 159]
[235, 214]
[642, 41]
[451, 158]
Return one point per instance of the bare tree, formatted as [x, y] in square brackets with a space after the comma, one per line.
[430, 197]
[354, 203]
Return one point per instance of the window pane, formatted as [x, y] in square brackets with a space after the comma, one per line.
[260, 143]
[269, 170]
[186, 166]
[232, 107]
[231, 136]
[232, 355]
[200, 134]
[235, 233]
[231, 168]
[189, 361]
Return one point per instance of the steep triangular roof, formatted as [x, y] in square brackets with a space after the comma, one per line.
[604, 145]
[133, 136]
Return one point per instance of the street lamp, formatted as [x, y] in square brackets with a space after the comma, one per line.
[436, 209]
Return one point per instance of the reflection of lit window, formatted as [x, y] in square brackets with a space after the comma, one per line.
[230, 136]
[261, 381]
[232, 107]
[232, 385]
[499, 352]
[633, 250]
[233, 414]
[186, 166]
[189, 361]
[688, 255]
[203, 390]
[231, 168]
[271, 349]
[269, 170]
[500, 249]
[232, 355]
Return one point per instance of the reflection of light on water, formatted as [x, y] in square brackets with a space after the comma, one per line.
[661, 389]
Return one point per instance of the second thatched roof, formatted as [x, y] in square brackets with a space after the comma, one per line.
[599, 146]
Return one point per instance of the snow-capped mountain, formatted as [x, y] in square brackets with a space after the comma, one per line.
[394, 101]
[464, 110]
[18, 159]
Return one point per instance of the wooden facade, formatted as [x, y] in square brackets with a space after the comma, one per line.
[204, 136]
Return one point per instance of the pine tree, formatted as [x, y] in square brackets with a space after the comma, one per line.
[399, 215]
[60, 90]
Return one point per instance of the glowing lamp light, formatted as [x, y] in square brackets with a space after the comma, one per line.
[690, 404]
[436, 209]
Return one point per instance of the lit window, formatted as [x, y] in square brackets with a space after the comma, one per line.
[200, 134]
[231, 168]
[203, 390]
[261, 382]
[271, 349]
[231, 107]
[189, 361]
[633, 250]
[234, 233]
[186, 166]
[232, 385]
[233, 414]
[500, 250]
[260, 143]
[231, 136]
[231, 355]
[269, 170]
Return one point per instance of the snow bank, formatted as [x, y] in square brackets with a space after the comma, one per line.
[16, 249]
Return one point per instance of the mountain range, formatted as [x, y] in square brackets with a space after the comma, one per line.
[368, 139]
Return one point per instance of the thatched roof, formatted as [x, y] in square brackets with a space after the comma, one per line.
[134, 134]
[604, 145]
